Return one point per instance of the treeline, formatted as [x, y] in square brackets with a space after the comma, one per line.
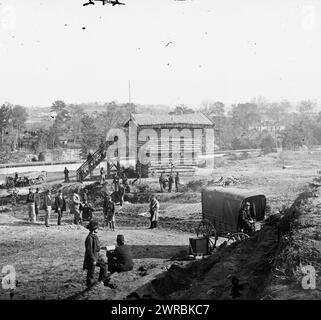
[263, 124]
[12, 122]
[255, 124]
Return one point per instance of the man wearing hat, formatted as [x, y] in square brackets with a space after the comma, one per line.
[153, 210]
[75, 206]
[109, 212]
[92, 256]
[246, 222]
[120, 259]
[37, 202]
[47, 206]
[31, 205]
[60, 206]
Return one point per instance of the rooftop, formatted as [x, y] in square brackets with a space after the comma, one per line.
[168, 119]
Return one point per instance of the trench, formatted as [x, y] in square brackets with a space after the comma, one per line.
[249, 260]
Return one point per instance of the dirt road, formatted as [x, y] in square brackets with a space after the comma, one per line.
[48, 261]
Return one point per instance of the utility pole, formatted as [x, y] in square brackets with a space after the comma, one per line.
[129, 93]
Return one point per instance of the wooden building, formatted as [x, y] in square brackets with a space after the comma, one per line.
[165, 141]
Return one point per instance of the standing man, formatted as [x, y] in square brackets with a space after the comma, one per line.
[31, 205]
[60, 204]
[75, 206]
[47, 206]
[102, 175]
[92, 256]
[37, 203]
[121, 193]
[177, 181]
[116, 182]
[85, 196]
[170, 182]
[109, 212]
[161, 182]
[89, 155]
[153, 209]
[66, 172]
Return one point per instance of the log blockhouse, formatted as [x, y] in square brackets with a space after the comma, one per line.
[165, 141]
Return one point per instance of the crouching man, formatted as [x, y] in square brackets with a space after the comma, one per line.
[93, 257]
[120, 259]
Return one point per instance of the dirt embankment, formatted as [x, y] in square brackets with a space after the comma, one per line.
[269, 265]
[249, 260]
[299, 248]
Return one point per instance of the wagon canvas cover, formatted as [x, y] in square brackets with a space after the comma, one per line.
[222, 206]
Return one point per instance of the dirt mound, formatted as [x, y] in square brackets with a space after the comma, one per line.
[300, 246]
[249, 260]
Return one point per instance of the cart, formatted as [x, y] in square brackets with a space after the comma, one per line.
[220, 214]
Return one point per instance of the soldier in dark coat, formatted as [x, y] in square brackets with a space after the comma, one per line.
[66, 172]
[109, 212]
[87, 212]
[93, 257]
[170, 182]
[121, 193]
[245, 219]
[37, 203]
[120, 259]
[60, 206]
[177, 181]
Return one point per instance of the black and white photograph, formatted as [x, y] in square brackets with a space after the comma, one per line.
[161, 150]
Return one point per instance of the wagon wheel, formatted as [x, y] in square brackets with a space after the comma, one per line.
[206, 229]
[238, 236]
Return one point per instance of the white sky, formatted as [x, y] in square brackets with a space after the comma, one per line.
[228, 50]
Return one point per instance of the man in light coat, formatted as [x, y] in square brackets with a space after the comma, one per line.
[75, 207]
[31, 205]
[153, 209]
[47, 206]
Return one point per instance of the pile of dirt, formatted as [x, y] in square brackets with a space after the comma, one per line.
[300, 246]
[224, 181]
[250, 261]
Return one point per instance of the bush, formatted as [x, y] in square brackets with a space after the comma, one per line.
[41, 157]
[267, 144]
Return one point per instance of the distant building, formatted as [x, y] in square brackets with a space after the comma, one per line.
[162, 141]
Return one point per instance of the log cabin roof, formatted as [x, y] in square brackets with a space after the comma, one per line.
[191, 119]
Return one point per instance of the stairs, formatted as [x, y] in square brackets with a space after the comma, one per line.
[89, 165]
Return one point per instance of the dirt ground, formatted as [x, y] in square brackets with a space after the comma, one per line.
[48, 261]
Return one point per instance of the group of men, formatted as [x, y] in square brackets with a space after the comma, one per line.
[117, 260]
[168, 181]
[81, 209]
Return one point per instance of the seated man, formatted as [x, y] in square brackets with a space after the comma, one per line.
[120, 259]
[87, 212]
[246, 223]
